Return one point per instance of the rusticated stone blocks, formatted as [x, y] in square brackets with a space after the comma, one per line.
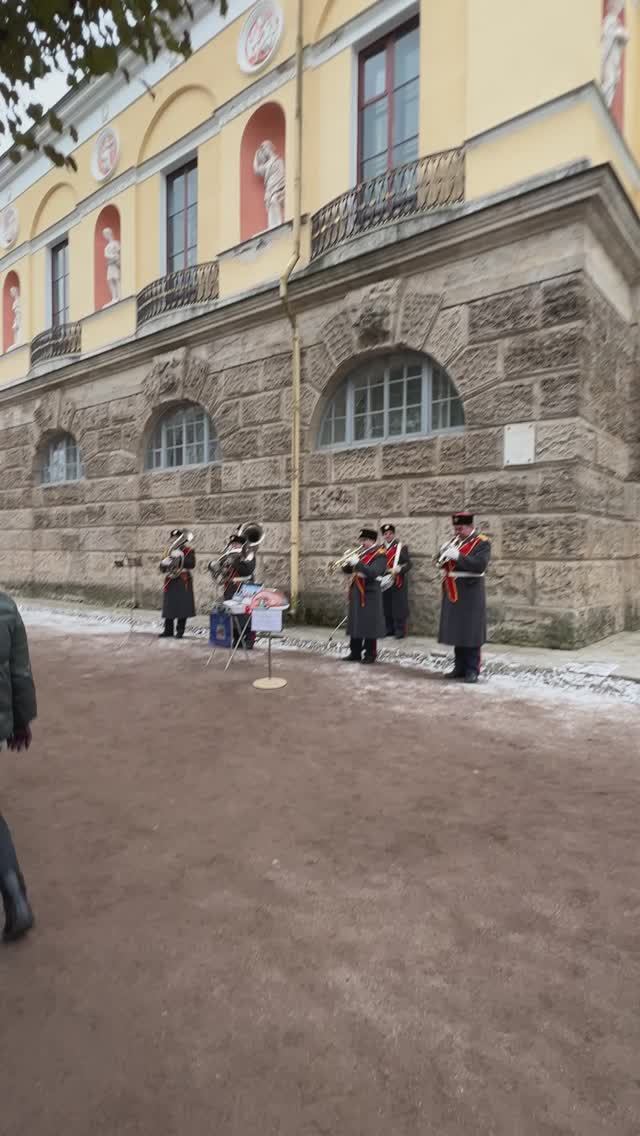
[404, 458]
[544, 351]
[506, 313]
[333, 501]
[564, 301]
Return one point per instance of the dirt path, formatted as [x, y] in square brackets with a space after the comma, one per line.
[368, 905]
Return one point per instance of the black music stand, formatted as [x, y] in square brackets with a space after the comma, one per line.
[132, 562]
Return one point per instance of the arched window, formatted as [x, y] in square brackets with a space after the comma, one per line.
[183, 437]
[62, 461]
[390, 398]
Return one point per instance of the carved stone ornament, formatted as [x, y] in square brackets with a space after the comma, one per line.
[179, 376]
[373, 320]
[106, 152]
[260, 36]
[54, 412]
[9, 226]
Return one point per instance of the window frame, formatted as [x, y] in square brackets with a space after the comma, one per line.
[427, 429]
[46, 464]
[172, 176]
[163, 424]
[54, 253]
[386, 44]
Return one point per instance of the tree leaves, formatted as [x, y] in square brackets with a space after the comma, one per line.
[81, 39]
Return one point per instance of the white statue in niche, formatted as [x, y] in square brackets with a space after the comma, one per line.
[269, 166]
[16, 309]
[613, 42]
[112, 258]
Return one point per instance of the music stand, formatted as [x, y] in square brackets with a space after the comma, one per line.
[235, 612]
[335, 631]
[132, 562]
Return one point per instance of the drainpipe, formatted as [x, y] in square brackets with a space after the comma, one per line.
[295, 334]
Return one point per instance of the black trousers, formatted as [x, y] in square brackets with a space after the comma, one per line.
[467, 660]
[181, 624]
[8, 858]
[370, 648]
[396, 626]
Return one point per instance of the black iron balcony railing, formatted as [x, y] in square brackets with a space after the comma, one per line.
[197, 285]
[418, 187]
[56, 343]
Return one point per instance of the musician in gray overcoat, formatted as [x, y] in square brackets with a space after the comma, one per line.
[395, 598]
[365, 622]
[463, 616]
[178, 601]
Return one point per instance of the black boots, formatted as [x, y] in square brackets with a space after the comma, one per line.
[18, 913]
[168, 629]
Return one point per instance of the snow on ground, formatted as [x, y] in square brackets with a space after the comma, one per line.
[506, 677]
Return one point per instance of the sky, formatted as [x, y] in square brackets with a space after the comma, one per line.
[47, 91]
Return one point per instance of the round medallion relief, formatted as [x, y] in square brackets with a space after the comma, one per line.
[260, 36]
[106, 152]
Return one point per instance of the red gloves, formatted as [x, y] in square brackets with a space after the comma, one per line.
[20, 739]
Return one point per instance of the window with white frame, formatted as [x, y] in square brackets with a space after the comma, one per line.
[62, 461]
[389, 399]
[183, 437]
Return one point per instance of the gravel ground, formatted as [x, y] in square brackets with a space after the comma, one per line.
[369, 904]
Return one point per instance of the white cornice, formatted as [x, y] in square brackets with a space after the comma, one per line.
[85, 106]
[94, 104]
[184, 148]
[590, 95]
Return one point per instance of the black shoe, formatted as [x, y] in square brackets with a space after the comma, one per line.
[351, 659]
[455, 674]
[399, 635]
[179, 635]
[471, 676]
[165, 635]
[368, 659]
[18, 913]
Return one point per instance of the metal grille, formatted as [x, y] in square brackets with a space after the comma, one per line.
[55, 343]
[418, 187]
[196, 285]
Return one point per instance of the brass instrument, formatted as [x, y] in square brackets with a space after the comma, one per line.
[343, 560]
[441, 558]
[172, 566]
[252, 534]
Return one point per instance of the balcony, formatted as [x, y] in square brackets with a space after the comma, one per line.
[419, 187]
[56, 343]
[182, 289]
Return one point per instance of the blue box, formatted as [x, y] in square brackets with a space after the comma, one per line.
[220, 629]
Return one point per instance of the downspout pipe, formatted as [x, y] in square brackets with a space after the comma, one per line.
[296, 377]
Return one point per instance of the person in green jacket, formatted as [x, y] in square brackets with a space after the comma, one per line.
[17, 711]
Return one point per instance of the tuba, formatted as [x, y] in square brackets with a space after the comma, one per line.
[252, 534]
[172, 566]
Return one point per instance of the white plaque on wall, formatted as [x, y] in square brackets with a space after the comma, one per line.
[260, 36]
[106, 152]
[520, 443]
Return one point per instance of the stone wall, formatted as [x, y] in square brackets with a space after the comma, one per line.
[550, 351]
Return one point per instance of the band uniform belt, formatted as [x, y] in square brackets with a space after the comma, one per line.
[465, 575]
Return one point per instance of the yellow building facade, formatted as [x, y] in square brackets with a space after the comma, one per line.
[348, 261]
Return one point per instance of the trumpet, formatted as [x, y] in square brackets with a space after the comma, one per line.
[342, 561]
[441, 557]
